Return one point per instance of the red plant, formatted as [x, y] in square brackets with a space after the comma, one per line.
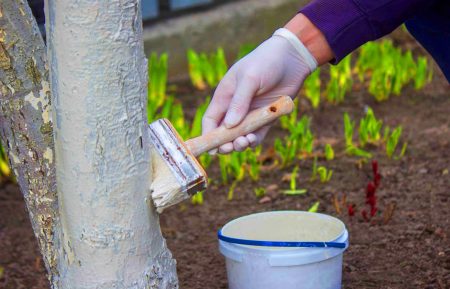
[371, 199]
[351, 210]
[371, 190]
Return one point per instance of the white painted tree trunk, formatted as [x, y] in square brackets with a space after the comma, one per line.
[26, 124]
[110, 232]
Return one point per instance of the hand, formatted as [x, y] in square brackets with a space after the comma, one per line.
[277, 67]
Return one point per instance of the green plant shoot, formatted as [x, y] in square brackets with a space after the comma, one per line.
[286, 151]
[245, 49]
[253, 164]
[197, 199]
[195, 70]
[354, 151]
[423, 74]
[157, 71]
[231, 191]
[293, 184]
[369, 129]
[260, 192]
[393, 141]
[341, 81]
[312, 88]
[289, 121]
[349, 126]
[329, 152]
[314, 208]
[324, 174]
[5, 171]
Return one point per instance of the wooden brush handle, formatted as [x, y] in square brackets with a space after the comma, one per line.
[254, 120]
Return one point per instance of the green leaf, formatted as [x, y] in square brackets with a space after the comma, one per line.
[196, 128]
[354, 151]
[293, 181]
[260, 192]
[369, 128]
[254, 165]
[312, 88]
[341, 81]
[195, 70]
[295, 192]
[221, 66]
[197, 199]
[231, 191]
[329, 152]
[324, 174]
[314, 208]
[348, 130]
[224, 161]
[403, 151]
[392, 141]
[245, 49]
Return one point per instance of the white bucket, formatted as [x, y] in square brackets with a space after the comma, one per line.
[267, 267]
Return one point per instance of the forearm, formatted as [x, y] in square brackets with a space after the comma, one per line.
[313, 39]
[347, 24]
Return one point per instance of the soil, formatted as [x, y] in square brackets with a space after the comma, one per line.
[410, 250]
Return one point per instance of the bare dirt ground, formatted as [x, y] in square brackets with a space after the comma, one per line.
[411, 251]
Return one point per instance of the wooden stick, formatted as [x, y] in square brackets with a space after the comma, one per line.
[254, 120]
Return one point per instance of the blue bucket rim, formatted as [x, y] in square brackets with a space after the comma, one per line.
[290, 244]
[279, 243]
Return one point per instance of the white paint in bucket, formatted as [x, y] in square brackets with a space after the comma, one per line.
[255, 267]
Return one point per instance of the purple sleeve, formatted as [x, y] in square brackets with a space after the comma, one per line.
[347, 24]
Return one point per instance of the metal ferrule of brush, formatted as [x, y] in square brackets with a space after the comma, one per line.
[181, 162]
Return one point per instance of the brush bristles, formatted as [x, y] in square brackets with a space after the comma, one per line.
[165, 188]
[176, 172]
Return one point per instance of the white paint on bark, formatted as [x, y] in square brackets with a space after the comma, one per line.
[110, 235]
[48, 155]
[25, 123]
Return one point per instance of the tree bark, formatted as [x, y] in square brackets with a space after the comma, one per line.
[26, 124]
[110, 234]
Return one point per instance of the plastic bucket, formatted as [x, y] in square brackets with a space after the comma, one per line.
[284, 250]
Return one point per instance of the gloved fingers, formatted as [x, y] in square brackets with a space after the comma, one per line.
[252, 140]
[238, 108]
[241, 143]
[226, 148]
[219, 103]
[256, 138]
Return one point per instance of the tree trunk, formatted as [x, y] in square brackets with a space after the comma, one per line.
[110, 234]
[25, 122]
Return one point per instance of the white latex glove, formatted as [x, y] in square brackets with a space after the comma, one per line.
[276, 67]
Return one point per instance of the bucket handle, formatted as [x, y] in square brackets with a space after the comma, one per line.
[279, 243]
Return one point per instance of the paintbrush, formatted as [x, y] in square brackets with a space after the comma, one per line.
[176, 172]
